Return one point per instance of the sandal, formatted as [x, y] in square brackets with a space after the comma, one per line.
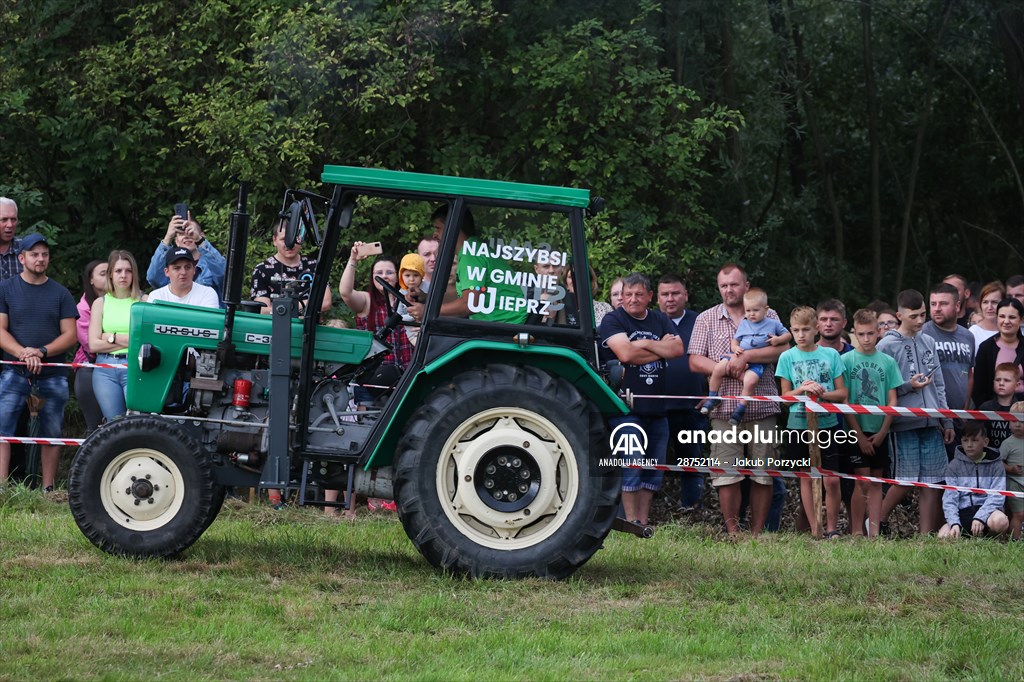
[832, 535]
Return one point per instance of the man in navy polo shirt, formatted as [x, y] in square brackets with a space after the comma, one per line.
[37, 325]
[642, 340]
[683, 414]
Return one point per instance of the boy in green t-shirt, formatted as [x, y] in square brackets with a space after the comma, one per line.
[817, 372]
[873, 378]
[1012, 452]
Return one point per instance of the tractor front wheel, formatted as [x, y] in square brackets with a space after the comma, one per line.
[141, 486]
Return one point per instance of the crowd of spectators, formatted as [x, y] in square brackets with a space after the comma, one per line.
[962, 357]
[890, 357]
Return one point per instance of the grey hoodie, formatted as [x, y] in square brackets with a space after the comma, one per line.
[916, 355]
[965, 472]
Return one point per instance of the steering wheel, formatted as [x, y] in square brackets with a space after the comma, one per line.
[390, 288]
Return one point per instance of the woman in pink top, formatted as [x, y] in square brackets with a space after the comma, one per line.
[94, 285]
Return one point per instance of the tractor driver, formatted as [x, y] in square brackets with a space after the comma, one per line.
[456, 299]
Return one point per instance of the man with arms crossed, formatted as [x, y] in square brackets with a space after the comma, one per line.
[642, 340]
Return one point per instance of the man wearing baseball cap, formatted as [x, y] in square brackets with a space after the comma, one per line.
[37, 324]
[180, 268]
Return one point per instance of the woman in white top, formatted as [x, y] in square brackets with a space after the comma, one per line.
[991, 294]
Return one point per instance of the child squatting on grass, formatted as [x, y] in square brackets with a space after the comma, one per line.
[1012, 452]
[978, 466]
[755, 331]
[817, 372]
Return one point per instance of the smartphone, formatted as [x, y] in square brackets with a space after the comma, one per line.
[372, 249]
[181, 210]
[930, 372]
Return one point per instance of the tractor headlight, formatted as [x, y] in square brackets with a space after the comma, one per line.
[149, 357]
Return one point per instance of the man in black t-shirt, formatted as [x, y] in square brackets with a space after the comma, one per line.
[642, 340]
[37, 325]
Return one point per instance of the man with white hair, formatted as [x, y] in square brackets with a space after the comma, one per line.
[9, 244]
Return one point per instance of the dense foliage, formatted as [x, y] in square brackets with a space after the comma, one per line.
[834, 147]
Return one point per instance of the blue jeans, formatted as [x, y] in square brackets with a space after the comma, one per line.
[14, 390]
[108, 385]
[774, 519]
[691, 485]
[656, 429]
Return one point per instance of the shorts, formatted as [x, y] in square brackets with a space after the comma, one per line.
[757, 449]
[756, 368]
[858, 460]
[796, 448]
[15, 389]
[656, 430]
[918, 455]
[1014, 505]
[967, 518]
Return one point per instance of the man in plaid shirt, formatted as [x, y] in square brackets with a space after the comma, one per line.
[710, 342]
[9, 244]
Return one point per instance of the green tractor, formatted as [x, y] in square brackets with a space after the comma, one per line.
[491, 442]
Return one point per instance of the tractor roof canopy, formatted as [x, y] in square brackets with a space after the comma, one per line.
[443, 185]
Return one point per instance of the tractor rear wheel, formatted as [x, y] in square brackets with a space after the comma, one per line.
[497, 475]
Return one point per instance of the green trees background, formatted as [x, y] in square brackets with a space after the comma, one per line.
[835, 147]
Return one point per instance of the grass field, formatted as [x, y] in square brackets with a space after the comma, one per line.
[290, 595]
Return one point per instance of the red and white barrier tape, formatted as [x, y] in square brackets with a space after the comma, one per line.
[817, 472]
[72, 365]
[42, 441]
[814, 472]
[843, 408]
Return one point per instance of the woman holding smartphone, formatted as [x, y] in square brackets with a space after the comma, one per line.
[370, 305]
[108, 332]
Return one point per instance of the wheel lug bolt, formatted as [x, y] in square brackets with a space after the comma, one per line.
[490, 469]
[137, 502]
[497, 494]
[525, 473]
[502, 461]
[148, 477]
[523, 488]
[127, 491]
[150, 500]
[512, 497]
[134, 479]
[156, 487]
[488, 483]
[516, 463]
